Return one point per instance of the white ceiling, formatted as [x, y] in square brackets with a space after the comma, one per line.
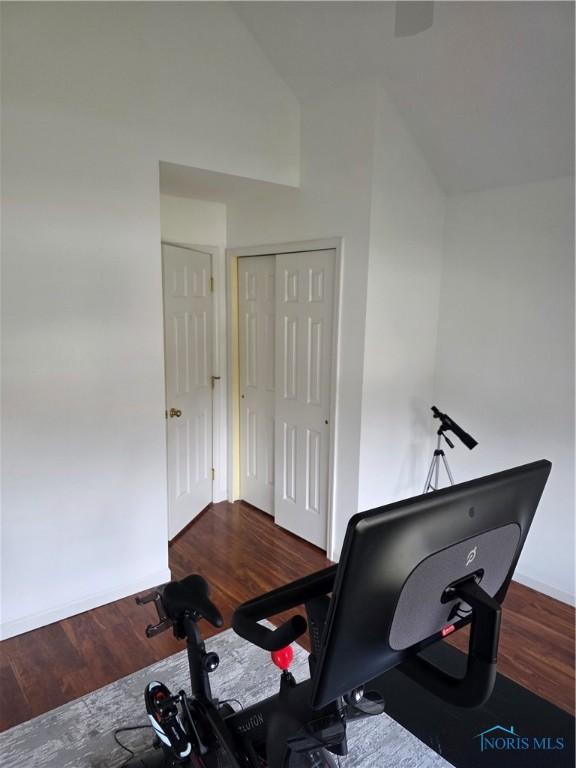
[487, 92]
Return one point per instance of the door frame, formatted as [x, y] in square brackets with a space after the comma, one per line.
[273, 249]
[219, 364]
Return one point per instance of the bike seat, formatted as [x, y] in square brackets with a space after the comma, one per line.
[190, 594]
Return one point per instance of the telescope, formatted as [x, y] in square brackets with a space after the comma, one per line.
[449, 425]
[446, 425]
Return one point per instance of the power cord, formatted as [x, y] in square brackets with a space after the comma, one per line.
[123, 746]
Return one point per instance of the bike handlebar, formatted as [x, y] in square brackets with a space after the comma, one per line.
[246, 617]
[270, 639]
[164, 622]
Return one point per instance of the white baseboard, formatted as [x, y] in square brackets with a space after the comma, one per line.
[546, 589]
[36, 620]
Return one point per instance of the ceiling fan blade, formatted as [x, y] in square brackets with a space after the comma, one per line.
[413, 17]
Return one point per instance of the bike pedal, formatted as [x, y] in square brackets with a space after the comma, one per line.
[164, 716]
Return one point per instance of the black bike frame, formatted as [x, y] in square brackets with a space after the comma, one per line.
[283, 720]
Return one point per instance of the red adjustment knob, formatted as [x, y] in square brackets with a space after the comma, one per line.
[283, 657]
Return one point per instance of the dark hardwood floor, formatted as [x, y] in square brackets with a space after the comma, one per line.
[242, 553]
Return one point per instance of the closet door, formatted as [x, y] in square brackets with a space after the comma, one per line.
[256, 305]
[304, 318]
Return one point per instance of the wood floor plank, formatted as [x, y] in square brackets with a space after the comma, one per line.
[10, 687]
[242, 553]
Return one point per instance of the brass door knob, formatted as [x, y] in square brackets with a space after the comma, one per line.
[175, 412]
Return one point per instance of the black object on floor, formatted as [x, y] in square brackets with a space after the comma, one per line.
[514, 729]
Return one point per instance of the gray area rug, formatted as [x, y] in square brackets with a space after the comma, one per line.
[79, 734]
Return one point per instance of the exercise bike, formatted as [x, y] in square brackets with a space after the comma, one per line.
[410, 574]
[283, 730]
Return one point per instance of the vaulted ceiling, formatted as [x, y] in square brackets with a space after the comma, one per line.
[487, 92]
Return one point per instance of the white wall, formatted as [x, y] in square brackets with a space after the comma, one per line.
[192, 222]
[505, 367]
[404, 271]
[94, 95]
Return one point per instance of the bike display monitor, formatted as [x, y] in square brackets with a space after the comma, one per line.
[396, 588]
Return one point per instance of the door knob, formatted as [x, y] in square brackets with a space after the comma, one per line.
[175, 412]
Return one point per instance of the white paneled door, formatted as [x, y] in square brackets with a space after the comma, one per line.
[256, 317]
[304, 308]
[188, 345]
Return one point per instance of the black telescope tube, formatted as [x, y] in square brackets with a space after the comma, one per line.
[450, 424]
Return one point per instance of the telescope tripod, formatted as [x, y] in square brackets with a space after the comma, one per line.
[439, 457]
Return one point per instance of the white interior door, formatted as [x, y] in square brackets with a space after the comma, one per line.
[256, 311]
[188, 343]
[304, 302]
